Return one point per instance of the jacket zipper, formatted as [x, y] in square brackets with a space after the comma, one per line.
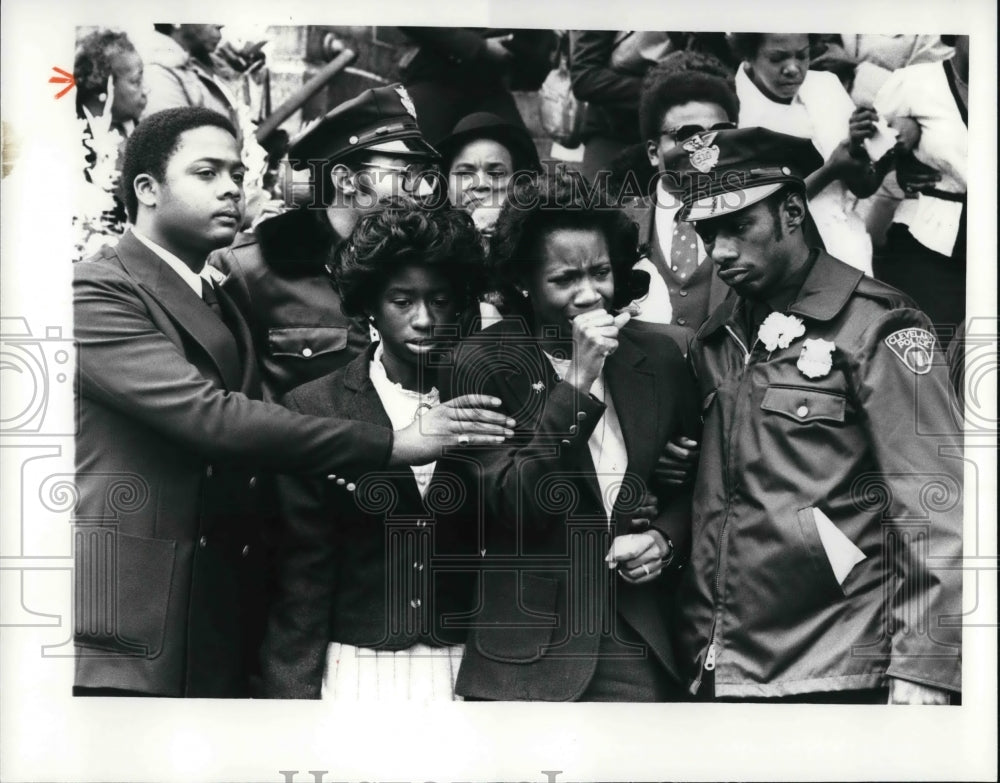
[746, 353]
[709, 663]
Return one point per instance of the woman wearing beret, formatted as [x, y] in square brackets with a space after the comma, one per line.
[576, 568]
[369, 579]
[481, 159]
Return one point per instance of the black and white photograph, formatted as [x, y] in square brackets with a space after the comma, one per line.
[391, 401]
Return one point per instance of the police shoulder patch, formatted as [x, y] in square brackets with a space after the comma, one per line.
[913, 347]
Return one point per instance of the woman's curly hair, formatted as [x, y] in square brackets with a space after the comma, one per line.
[538, 206]
[402, 232]
[94, 57]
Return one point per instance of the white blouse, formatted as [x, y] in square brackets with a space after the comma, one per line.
[922, 92]
[606, 442]
[402, 406]
[820, 111]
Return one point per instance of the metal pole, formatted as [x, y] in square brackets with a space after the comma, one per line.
[303, 94]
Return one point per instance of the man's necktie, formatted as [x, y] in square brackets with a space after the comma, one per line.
[209, 297]
[683, 250]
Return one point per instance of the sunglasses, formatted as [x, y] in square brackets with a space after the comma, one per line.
[414, 175]
[684, 132]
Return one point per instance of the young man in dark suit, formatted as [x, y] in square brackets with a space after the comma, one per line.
[172, 432]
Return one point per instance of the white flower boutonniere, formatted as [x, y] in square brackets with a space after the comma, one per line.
[779, 330]
[816, 359]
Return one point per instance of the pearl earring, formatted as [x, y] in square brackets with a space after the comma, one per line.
[524, 292]
[102, 97]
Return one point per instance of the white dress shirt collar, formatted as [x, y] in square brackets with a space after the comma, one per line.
[193, 279]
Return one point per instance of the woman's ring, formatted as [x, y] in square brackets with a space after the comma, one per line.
[645, 568]
[463, 440]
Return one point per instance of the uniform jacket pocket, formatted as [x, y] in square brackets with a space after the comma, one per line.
[132, 609]
[518, 617]
[306, 342]
[803, 404]
[833, 552]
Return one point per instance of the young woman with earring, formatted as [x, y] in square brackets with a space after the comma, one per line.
[367, 581]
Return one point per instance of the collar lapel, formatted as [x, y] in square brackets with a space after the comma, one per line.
[185, 308]
[719, 318]
[827, 288]
[250, 383]
[529, 377]
[634, 393]
[365, 405]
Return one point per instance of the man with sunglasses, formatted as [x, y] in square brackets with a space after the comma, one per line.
[363, 150]
[673, 107]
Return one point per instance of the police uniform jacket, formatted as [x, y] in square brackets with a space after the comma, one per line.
[169, 452]
[548, 597]
[278, 278]
[366, 562]
[828, 511]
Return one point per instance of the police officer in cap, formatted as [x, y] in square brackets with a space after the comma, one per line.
[364, 149]
[827, 511]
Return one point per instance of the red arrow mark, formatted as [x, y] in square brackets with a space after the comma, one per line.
[63, 78]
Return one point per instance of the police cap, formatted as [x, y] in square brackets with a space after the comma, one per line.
[720, 172]
[382, 120]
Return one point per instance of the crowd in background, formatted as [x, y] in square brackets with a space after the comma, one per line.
[582, 309]
[461, 82]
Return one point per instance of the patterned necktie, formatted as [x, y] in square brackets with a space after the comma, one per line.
[683, 250]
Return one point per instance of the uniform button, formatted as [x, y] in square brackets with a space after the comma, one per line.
[572, 429]
[307, 351]
[331, 476]
[203, 542]
[565, 442]
[684, 293]
[419, 566]
[350, 487]
[682, 321]
[581, 415]
[421, 523]
[253, 482]
[802, 411]
[558, 377]
[246, 550]
[415, 603]
[209, 471]
[341, 482]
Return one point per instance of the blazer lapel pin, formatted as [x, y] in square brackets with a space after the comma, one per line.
[538, 387]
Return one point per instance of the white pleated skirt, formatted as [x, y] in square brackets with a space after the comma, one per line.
[420, 673]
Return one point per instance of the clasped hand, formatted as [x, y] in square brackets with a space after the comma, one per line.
[595, 338]
[638, 556]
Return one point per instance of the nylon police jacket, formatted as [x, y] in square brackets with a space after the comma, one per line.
[828, 509]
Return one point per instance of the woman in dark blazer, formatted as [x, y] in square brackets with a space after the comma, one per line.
[576, 571]
[371, 578]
